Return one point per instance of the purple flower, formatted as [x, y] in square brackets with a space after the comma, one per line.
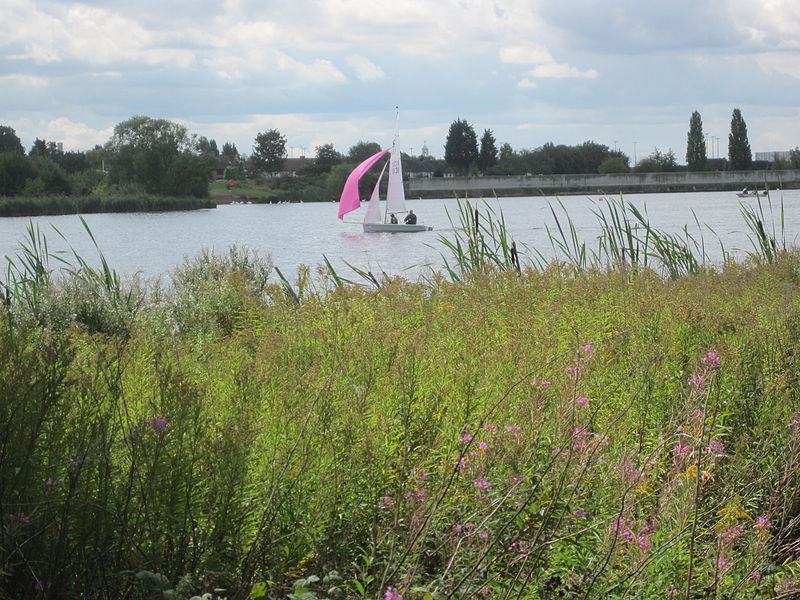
[513, 428]
[716, 446]
[723, 563]
[588, 349]
[158, 423]
[545, 384]
[629, 472]
[698, 380]
[762, 523]
[580, 513]
[582, 401]
[712, 360]
[482, 484]
[391, 594]
[681, 449]
[732, 532]
[387, 501]
[467, 437]
[794, 423]
[483, 446]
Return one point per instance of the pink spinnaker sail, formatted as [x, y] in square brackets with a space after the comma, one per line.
[350, 199]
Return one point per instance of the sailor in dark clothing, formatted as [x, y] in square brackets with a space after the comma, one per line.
[411, 218]
[393, 219]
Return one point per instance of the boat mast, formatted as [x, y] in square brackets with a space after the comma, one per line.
[391, 157]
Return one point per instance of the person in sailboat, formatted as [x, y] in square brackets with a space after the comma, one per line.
[411, 218]
[393, 219]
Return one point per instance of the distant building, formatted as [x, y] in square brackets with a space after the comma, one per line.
[772, 156]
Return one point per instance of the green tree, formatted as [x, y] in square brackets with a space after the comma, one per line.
[15, 170]
[794, 158]
[696, 144]
[461, 146]
[614, 164]
[229, 150]
[9, 142]
[739, 155]
[207, 147]
[658, 162]
[487, 157]
[362, 151]
[269, 151]
[326, 158]
[506, 151]
[158, 156]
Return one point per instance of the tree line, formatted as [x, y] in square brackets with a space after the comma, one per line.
[161, 157]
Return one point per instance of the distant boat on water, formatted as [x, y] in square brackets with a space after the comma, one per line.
[382, 216]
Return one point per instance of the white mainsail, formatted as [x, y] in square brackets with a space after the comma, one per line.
[395, 196]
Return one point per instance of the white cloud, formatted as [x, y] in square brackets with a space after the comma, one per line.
[526, 54]
[76, 135]
[29, 81]
[561, 71]
[365, 69]
[546, 66]
[319, 71]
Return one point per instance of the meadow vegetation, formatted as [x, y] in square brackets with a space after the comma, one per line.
[505, 429]
[28, 206]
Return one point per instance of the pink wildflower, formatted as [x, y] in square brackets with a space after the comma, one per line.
[588, 349]
[681, 449]
[467, 437]
[716, 446]
[698, 381]
[391, 594]
[712, 360]
[545, 384]
[387, 501]
[158, 423]
[483, 446]
[583, 401]
[513, 428]
[629, 472]
[482, 484]
[579, 435]
[732, 532]
[672, 591]
[762, 523]
[756, 576]
[484, 535]
[794, 423]
[580, 513]
[723, 563]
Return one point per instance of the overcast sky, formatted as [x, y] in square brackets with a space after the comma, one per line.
[332, 71]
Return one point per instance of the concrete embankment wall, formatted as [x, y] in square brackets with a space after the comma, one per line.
[612, 183]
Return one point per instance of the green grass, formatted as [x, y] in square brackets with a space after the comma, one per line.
[526, 432]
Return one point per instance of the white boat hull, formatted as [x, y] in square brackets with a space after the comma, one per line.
[394, 228]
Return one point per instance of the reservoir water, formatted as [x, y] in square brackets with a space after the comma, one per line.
[154, 244]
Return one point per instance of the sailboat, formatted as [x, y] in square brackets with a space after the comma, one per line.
[375, 219]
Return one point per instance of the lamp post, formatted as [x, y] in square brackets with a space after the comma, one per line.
[634, 154]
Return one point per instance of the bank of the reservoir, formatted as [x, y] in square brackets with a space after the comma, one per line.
[611, 183]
